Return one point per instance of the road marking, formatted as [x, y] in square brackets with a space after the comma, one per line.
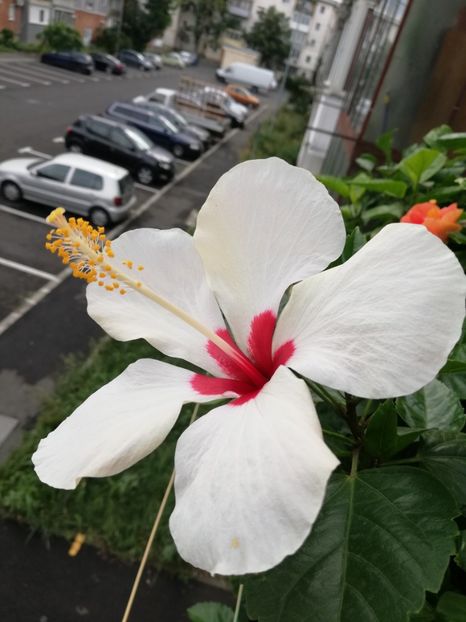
[14, 81]
[146, 188]
[58, 139]
[16, 212]
[46, 289]
[27, 269]
[57, 71]
[30, 78]
[45, 73]
[32, 151]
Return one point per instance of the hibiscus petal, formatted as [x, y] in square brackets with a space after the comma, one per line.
[264, 226]
[173, 269]
[383, 323]
[250, 480]
[118, 425]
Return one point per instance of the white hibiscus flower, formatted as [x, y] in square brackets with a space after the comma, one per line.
[251, 474]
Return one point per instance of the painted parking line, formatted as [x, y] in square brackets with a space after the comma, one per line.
[16, 212]
[40, 71]
[33, 152]
[11, 81]
[65, 74]
[58, 140]
[150, 189]
[27, 269]
[16, 73]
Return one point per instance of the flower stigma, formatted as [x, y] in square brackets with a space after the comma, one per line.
[89, 254]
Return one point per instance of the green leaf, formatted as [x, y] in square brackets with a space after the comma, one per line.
[455, 382]
[460, 557]
[366, 161]
[456, 361]
[335, 184]
[384, 186]
[455, 140]
[382, 538]
[451, 607]
[354, 242]
[435, 406]
[444, 455]
[383, 213]
[382, 439]
[431, 138]
[384, 143]
[422, 165]
[427, 614]
[210, 612]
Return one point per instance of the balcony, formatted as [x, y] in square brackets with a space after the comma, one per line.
[240, 8]
[300, 21]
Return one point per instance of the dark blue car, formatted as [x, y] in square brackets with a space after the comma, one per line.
[158, 128]
[75, 61]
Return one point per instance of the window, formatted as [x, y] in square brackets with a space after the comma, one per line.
[119, 138]
[56, 172]
[132, 114]
[308, 59]
[84, 179]
[11, 12]
[41, 16]
[322, 9]
[99, 129]
[318, 26]
[312, 43]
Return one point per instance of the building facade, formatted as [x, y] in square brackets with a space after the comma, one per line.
[28, 18]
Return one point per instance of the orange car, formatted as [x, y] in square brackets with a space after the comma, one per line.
[242, 95]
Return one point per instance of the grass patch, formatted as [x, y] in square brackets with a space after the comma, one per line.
[280, 136]
[115, 513]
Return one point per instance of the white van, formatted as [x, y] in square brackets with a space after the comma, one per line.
[255, 77]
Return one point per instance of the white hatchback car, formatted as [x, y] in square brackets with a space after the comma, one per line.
[98, 190]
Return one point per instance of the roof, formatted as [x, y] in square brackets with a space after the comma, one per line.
[93, 165]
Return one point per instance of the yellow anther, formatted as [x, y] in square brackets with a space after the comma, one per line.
[128, 263]
[122, 291]
[102, 275]
[138, 284]
[109, 288]
[100, 283]
[140, 268]
[115, 284]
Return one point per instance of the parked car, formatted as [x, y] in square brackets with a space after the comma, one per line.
[174, 59]
[174, 117]
[131, 58]
[86, 186]
[154, 59]
[218, 99]
[75, 61]
[192, 109]
[108, 63]
[250, 75]
[241, 95]
[158, 129]
[118, 143]
[190, 58]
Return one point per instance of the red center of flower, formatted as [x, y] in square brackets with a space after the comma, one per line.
[246, 374]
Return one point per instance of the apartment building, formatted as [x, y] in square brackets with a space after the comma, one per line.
[27, 18]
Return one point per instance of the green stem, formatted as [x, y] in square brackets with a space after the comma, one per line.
[354, 462]
[238, 603]
[325, 395]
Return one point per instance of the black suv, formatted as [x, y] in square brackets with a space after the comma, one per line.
[123, 145]
[158, 129]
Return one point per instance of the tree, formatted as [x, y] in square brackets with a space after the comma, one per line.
[210, 18]
[270, 36]
[140, 25]
[60, 36]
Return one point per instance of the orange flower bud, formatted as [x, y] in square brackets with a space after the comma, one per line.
[441, 221]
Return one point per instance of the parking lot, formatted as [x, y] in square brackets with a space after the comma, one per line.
[34, 122]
